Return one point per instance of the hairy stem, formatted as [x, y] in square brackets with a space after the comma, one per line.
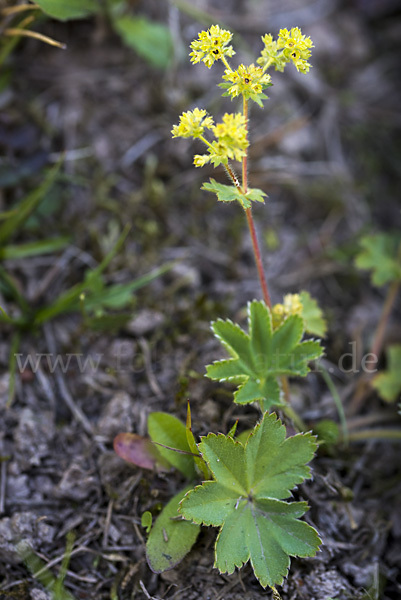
[258, 258]
[233, 177]
[245, 159]
[251, 224]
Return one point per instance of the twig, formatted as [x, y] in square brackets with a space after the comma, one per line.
[17, 31]
[381, 326]
[62, 387]
[12, 10]
[145, 591]
[148, 368]
[107, 524]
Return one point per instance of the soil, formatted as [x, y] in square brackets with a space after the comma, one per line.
[327, 151]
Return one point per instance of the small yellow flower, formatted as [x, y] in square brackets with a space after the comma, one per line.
[249, 81]
[296, 47]
[270, 56]
[231, 134]
[192, 124]
[211, 45]
[201, 159]
[292, 305]
[230, 144]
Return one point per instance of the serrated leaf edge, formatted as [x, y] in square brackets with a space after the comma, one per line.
[227, 346]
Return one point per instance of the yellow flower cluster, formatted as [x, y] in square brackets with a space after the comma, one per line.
[192, 124]
[294, 47]
[230, 144]
[292, 305]
[269, 55]
[211, 45]
[246, 80]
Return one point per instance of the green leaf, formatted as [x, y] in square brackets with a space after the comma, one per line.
[139, 450]
[388, 384]
[327, 431]
[229, 193]
[68, 9]
[312, 315]
[255, 195]
[146, 520]
[41, 571]
[150, 40]
[169, 431]
[245, 499]
[171, 538]
[381, 254]
[25, 208]
[225, 193]
[262, 356]
[29, 249]
[96, 294]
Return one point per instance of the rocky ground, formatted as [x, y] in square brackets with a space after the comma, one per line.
[327, 151]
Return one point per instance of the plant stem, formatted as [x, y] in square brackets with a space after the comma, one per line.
[295, 418]
[372, 434]
[245, 159]
[251, 225]
[381, 326]
[276, 595]
[258, 259]
[337, 401]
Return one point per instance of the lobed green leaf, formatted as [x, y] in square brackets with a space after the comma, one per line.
[312, 315]
[262, 356]
[229, 193]
[388, 383]
[245, 499]
[381, 254]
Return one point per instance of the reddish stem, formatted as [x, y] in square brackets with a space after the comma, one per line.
[258, 258]
[381, 327]
[243, 189]
[248, 212]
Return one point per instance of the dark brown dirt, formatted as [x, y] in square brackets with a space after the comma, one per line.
[327, 151]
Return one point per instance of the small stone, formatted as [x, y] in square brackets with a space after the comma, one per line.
[38, 594]
[4, 388]
[17, 487]
[116, 416]
[22, 526]
[32, 436]
[145, 322]
[76, 483]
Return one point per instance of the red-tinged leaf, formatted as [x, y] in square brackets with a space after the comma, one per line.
[139, 451]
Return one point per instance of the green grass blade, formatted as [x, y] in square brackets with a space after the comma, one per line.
[34, 248]
[15, 341]
[7, 284]
[27, 207]
[337, 400]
